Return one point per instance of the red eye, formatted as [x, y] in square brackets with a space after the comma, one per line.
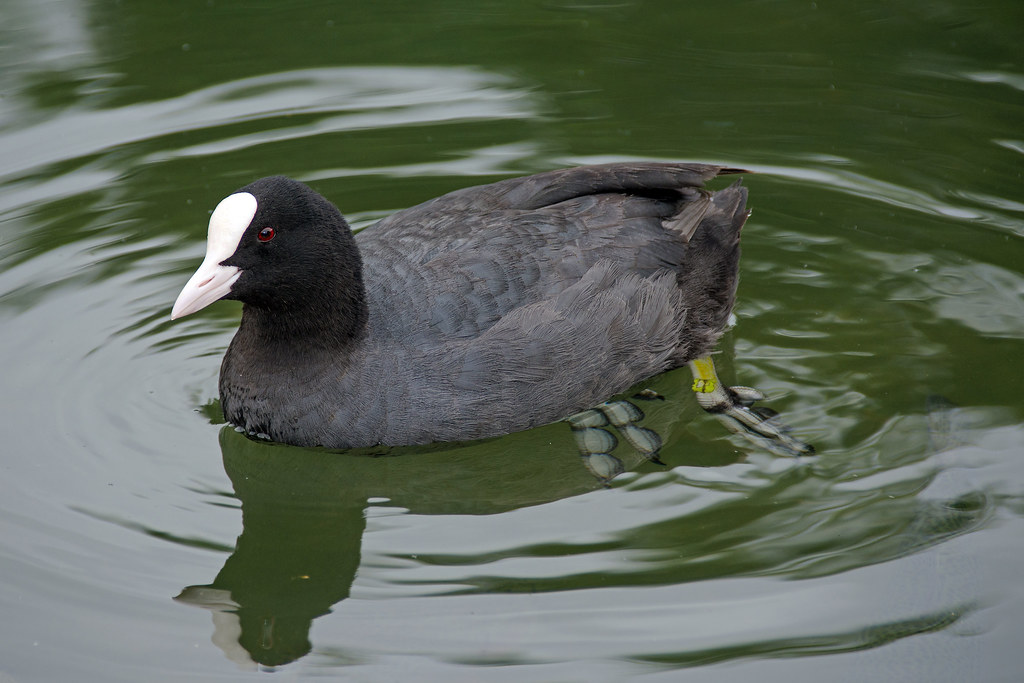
[265, 235]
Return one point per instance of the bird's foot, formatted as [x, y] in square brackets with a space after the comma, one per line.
[734, 407]
[593, 428]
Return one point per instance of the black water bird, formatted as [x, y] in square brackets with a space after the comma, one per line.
[485, 311]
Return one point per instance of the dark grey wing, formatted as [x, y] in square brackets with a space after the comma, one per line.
[602, 333]
[536, 365]
[453, 267]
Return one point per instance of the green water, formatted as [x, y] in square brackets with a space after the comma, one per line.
[881, 308]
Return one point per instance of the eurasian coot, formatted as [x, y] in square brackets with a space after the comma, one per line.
[488, 310]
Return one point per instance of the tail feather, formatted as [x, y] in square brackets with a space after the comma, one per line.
[708, 280]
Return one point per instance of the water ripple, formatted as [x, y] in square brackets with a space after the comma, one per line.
[325, 99]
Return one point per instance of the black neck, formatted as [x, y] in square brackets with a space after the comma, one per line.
[329, 316]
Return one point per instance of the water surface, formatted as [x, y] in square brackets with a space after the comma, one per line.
[881, 308]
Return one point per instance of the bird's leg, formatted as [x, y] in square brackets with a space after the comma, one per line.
[734, 407]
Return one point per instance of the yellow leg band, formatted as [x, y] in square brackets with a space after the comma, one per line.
[704, 378]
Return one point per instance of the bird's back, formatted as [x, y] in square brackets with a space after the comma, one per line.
[453, 267]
